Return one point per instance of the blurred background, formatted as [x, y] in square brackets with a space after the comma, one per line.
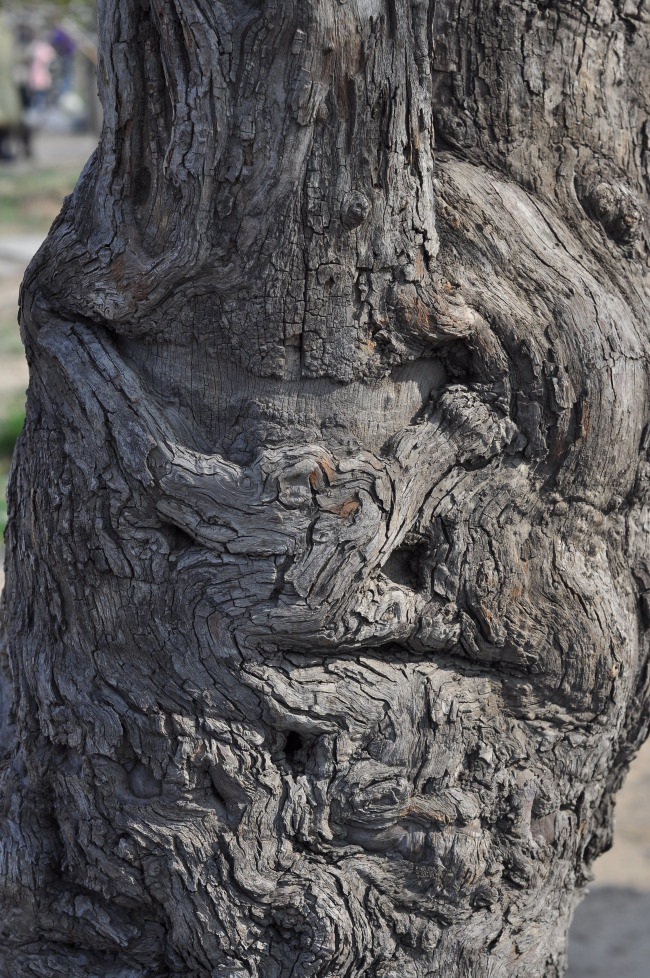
[50, 120]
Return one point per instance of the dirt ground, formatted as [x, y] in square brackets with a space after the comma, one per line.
[610, 936]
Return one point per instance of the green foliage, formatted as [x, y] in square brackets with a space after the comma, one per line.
[30, 200]
[10, 343]
[4, 479]
[11, 423]
[82, 11]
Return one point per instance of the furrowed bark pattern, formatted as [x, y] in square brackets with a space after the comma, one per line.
[328, 564]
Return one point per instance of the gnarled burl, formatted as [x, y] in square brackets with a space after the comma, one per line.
[328, 569]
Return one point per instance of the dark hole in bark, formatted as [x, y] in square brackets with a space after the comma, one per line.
[181, 540]
[405, 565]
[459, 363]
[141, 186]
[219, 800]
[177, 539]
[143, 783]
[295, 751]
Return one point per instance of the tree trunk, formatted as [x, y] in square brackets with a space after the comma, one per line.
[328, 570]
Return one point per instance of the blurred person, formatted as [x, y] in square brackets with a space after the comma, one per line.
[40, 73]
[24, 39]
[10, 115]
[65, 48]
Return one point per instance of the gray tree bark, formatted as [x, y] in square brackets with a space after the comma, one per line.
[328, 568]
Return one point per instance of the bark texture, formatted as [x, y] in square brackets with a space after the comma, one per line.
[328, 568]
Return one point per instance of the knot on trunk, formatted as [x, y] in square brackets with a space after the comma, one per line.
[607, 199]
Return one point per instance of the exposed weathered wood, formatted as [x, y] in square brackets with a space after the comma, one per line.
[328, 562]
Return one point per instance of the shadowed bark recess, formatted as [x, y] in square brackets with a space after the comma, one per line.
[328, 569]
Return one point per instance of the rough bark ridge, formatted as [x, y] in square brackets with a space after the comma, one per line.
[328, 569]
